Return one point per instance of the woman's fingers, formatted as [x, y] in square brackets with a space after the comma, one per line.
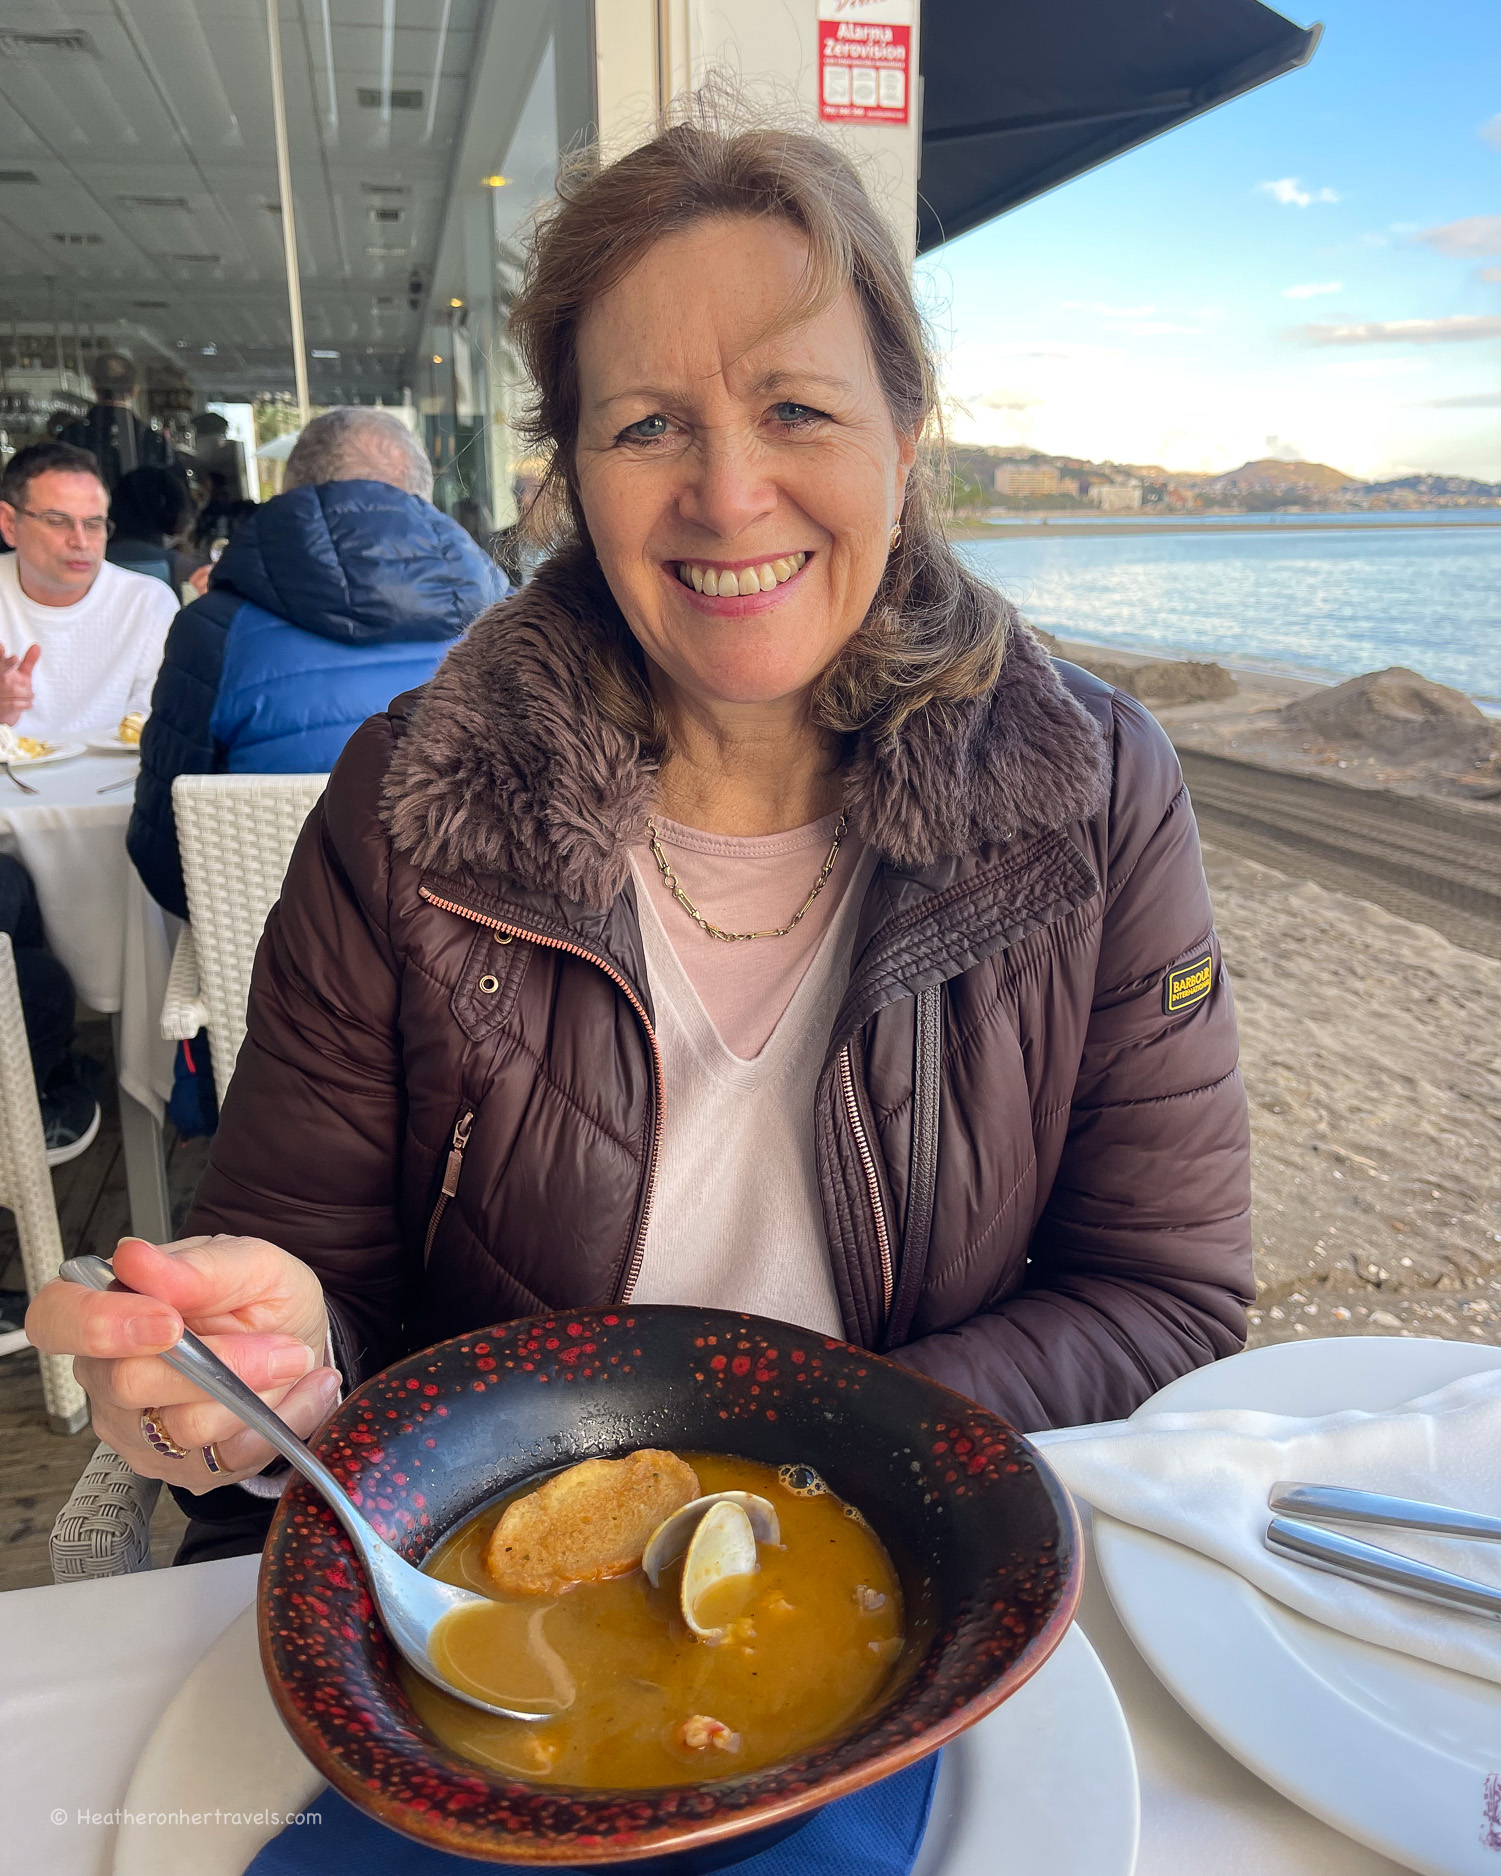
[228, 1285]
[213, 1285]
[263, 1362]
[105, 1325]
[241, 1452]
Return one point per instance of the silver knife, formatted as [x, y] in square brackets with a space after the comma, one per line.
[1338, 1504]
[1345, 1556]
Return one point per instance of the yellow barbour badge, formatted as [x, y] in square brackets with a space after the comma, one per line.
[1188, 984]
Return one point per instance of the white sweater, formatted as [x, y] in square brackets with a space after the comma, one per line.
[100, 656]
[736, 1221]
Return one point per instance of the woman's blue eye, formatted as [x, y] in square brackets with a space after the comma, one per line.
[646, 431]
[790, 413]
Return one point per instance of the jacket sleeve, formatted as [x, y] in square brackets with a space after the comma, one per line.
[1140, 1263]
[177, 741]
[308, 1150]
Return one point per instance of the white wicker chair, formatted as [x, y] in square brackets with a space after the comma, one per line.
[235, 834]
[26, 1189]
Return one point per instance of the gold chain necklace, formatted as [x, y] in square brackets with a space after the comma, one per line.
[670, 879]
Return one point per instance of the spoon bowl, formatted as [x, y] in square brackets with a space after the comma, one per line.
[411, 1604]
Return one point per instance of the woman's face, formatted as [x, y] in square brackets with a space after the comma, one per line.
[710, 454]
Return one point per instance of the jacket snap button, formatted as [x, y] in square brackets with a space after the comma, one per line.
[503, 937]
[489, 984]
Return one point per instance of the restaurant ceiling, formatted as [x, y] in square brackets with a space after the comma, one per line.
[138, 178]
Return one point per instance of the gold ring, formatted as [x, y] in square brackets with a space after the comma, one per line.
[211, 1458]
[156, 1439]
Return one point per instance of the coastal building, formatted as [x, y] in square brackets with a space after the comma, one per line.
[1115, 496]
[1033, 479]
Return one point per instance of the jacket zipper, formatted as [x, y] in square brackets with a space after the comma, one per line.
[450, 1178]
[638, 1246]
[868, 1161]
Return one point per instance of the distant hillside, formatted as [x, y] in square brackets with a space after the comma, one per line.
[1268, 476]
[1434, 485]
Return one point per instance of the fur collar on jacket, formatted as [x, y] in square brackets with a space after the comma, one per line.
[509, 768]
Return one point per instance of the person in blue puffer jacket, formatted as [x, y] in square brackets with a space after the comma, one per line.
[331, 599]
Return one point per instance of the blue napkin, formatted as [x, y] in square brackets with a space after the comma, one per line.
[877, 1831]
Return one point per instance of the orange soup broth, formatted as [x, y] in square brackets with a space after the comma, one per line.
[812, 1640]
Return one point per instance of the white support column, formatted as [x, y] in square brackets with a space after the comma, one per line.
[769, 53]
[288, 212]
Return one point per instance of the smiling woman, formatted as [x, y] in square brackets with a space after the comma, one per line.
[748, 914]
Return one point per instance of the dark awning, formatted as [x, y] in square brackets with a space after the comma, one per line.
[1021, 95]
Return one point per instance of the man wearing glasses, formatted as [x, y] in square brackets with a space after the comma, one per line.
[80, 639]
[80, 643]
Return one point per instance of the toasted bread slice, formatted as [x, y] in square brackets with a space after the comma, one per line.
[588, 1523]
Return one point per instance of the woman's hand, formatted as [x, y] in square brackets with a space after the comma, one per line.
[258, 1308]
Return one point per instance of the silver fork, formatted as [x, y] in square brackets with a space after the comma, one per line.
[25, 787]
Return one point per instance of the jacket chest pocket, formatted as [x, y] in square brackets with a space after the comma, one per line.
[488, 986]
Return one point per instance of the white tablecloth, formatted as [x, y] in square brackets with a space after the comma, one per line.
[100, 921]
[88, 1669]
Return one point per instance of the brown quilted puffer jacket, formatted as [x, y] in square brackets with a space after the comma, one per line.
[1031, 1134]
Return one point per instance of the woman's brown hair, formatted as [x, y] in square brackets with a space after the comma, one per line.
[935, 633]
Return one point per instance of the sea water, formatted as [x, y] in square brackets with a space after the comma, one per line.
[1325, 602]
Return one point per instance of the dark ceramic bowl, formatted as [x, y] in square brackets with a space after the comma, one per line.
[981, 1532]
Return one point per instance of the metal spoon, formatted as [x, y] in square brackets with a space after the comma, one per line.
[411, 1604]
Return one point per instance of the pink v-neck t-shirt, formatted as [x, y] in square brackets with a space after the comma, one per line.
[748, 884]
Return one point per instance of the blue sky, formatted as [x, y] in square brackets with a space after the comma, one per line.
[1318, 264]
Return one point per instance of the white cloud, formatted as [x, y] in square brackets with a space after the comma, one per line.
[1474, 400]
[1405, 331]
[1289, 191]
[1490, 131]
[1475, 234]
[1313, 290]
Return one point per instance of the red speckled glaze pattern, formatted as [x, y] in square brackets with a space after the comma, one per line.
[984, 1538]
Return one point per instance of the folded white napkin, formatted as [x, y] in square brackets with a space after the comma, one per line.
[1202, 1479]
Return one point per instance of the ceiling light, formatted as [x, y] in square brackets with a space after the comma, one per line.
[318, 354]
[371, 98]
[19, 175]
[154, 201]
[437, 358]
[20, 44]
[496, 182]
[455, 303]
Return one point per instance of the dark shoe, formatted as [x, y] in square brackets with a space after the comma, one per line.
[70, 1120]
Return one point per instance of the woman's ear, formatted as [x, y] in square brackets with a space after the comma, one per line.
[906, 456]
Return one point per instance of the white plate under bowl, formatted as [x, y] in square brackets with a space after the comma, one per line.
[112, 746]
[59, 752]
[1397, 1754]
[1050, 1775]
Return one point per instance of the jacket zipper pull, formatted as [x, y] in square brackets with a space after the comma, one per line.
[456, 1153]
[450, 1177]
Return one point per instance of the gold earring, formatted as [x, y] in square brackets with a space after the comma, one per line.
[896, 539]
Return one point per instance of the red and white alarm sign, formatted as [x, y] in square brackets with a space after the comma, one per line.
[865, 71]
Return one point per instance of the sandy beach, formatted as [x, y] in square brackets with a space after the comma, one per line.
[1371, 1050]
[1358, 900]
